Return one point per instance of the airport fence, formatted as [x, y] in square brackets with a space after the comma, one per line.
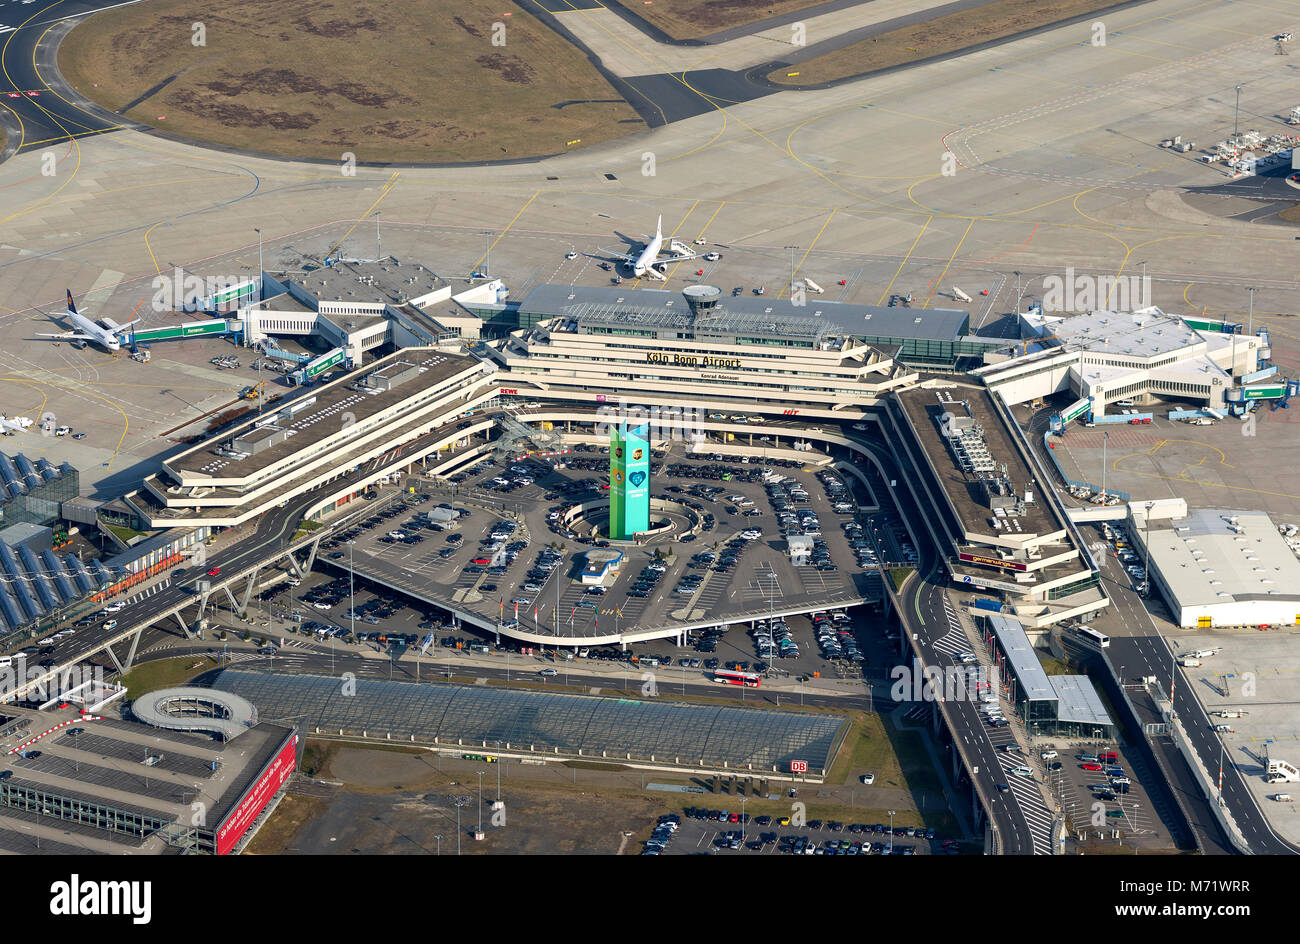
[1075, 483]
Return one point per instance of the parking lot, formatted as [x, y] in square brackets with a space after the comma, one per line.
[1105, 784]
[498, 545]
[707, 831]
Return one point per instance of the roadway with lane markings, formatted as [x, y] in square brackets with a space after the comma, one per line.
[1023, 821]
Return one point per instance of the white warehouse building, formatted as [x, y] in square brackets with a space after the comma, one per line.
[1219, 568]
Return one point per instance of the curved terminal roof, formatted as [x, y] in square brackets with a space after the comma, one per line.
[672, 733]
[196, 709]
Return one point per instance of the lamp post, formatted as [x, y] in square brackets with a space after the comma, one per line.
[1236, 109]
[1147, 566]
[458, 802]
[1105, 438]
[259, 263]
[480, 804]
[352, 590]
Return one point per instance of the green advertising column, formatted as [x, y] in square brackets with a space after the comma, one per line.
[629, 483]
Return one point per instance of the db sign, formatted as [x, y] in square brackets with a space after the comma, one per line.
[798, 766]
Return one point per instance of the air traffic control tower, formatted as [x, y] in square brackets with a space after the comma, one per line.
[629, 483]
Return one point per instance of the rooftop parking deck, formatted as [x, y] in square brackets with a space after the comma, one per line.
[924, 408]
[322, 413]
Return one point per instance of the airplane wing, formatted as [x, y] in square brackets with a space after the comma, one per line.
[70, 336]
[617, 255]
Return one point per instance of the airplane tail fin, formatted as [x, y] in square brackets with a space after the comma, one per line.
[71, 307]
[659, 227]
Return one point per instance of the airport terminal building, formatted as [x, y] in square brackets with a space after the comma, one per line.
[339, 428]
[1107, 356]
[693, 346]
[1000, 529]
[932, 338]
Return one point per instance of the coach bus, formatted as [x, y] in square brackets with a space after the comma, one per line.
[730, 677]
[1092, 637]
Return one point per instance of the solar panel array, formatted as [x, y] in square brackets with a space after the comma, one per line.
[19, 475]
[32, 585]
[595, 725]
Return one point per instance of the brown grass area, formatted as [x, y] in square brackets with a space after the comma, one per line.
[941, 35]
[290, 816]
[1291, 214]
[419, 81]
[691, 19]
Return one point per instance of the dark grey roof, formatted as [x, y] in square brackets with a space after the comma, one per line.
[551, 300]
[672, 733]
[1034, 681]
[1078, 700]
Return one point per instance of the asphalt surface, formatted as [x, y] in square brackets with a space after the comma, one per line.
[1138, 650]
[1022, 819]
[33, 114]
[1146, 654]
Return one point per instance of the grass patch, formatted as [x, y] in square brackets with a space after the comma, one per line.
[123, 534]
[165, 673]
[899, 574]
[691, 19]
[316, 756]
[897, 757]
[1054, 666]
[419, 81]
[289, 817]
[936, 37]
[1291, 214]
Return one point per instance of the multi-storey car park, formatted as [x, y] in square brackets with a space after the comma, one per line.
[998, 527]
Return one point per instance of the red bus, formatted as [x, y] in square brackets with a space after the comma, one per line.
[729, 677]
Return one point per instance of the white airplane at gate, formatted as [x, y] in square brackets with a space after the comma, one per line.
[104, 332]
[646, 263]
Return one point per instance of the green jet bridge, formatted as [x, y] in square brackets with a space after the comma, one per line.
[194, 329]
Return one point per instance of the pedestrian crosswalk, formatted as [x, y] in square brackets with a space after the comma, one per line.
[1030, 801]
[149, 591]
[954, 640]
[298, 644]
[951, 643]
